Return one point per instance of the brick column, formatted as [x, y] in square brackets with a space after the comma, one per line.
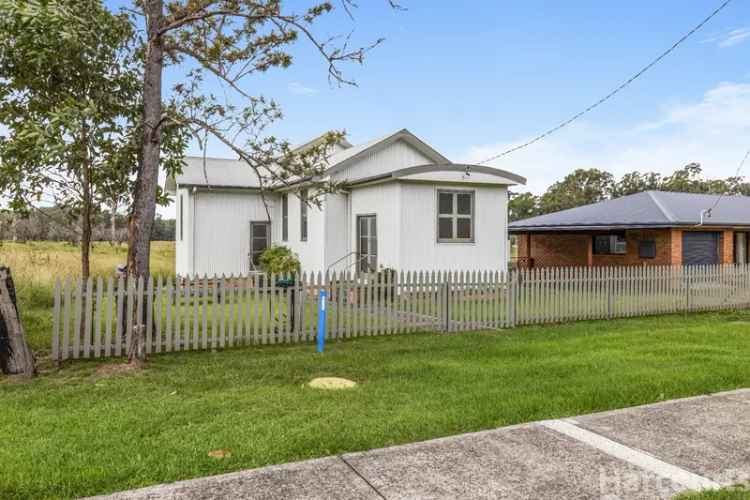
[727, 247]
[528, 245]
[675, 243]
[590, 253]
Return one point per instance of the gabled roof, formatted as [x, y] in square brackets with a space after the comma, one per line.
[646, 209]
[342, 159]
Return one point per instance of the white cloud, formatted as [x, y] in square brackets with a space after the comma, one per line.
[714, 131]
[299, 89]
[731, 38]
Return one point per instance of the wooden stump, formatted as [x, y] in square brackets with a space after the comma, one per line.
[15, 355]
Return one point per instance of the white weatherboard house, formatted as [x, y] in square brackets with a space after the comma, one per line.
[405, 206]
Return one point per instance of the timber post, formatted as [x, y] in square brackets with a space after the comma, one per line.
[15, 355]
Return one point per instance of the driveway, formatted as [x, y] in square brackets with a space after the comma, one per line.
[652, 451]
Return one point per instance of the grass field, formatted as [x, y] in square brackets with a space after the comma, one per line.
[87, 429]
[36, 264]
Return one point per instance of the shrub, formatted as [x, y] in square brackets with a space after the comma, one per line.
[279, 259]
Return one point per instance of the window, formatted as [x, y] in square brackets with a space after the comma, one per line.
[367, 243]
[610, 244]
[285, 217]
[260, 233]
[303, 215]
[647, 249]
[455, 216]
[182, 222]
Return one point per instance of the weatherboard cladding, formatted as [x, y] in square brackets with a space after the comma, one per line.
[646, 209]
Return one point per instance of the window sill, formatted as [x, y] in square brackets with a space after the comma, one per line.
[448, 242]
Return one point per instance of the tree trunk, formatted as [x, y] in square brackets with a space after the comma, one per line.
[144, 200]
[86, 200]
[14, 227]
[113, 223]
[15, 355]
[86, 231]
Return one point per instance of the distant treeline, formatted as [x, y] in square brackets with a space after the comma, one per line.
[585, 186]
[58, 224]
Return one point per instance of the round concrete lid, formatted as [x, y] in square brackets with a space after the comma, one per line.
[332, 383]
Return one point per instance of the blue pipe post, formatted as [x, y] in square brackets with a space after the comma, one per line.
[322, 321]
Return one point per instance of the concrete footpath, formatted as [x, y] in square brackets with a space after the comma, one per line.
[652, 451]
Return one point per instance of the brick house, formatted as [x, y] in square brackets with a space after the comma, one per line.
[648, 228]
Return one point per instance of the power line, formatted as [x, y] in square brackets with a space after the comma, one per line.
[736, 174]
[614, 92]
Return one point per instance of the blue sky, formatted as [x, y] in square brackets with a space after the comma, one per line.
[473, 77]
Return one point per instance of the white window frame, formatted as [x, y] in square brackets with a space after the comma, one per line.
[304, 227]
[455, 216]
[615, 240]
[285, 217]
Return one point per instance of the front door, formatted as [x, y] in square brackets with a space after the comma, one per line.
[367, 243]
[260, 239]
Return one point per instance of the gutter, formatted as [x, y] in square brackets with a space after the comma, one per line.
[605, 227]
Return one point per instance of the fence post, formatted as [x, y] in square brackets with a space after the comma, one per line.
[446, 305]
[610, 278]
[512, 300]
[687, 290]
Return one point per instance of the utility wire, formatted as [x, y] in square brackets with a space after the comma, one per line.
[736, 174]
[614, 92]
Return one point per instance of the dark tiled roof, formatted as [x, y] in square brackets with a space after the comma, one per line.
[646, 209]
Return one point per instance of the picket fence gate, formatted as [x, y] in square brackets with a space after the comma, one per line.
[98, 317]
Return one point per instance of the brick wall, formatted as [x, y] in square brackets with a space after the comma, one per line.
[556, 249]
[575, 249]
[661, 238]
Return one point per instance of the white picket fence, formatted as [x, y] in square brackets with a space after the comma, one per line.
[98, 317]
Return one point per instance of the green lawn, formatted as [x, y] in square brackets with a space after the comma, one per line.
[79, 432]
[733, 493]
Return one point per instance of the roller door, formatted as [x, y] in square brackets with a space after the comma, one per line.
[700, 248]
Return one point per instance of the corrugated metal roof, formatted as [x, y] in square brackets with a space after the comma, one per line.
[224, 172]
[649, 208]
[218, 172]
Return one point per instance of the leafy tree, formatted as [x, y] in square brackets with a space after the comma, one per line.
[687, 180]
[164, 229]
[636, 182]
[62, 98]
[230, 40]
[71, 102]
[578, 188]
[522, 206]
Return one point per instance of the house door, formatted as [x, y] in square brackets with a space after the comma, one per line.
[260, 239]
[700, 248]
[367, 243]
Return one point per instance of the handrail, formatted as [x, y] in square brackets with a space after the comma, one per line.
[357, 261]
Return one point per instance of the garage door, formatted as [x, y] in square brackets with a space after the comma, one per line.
[700, 248]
